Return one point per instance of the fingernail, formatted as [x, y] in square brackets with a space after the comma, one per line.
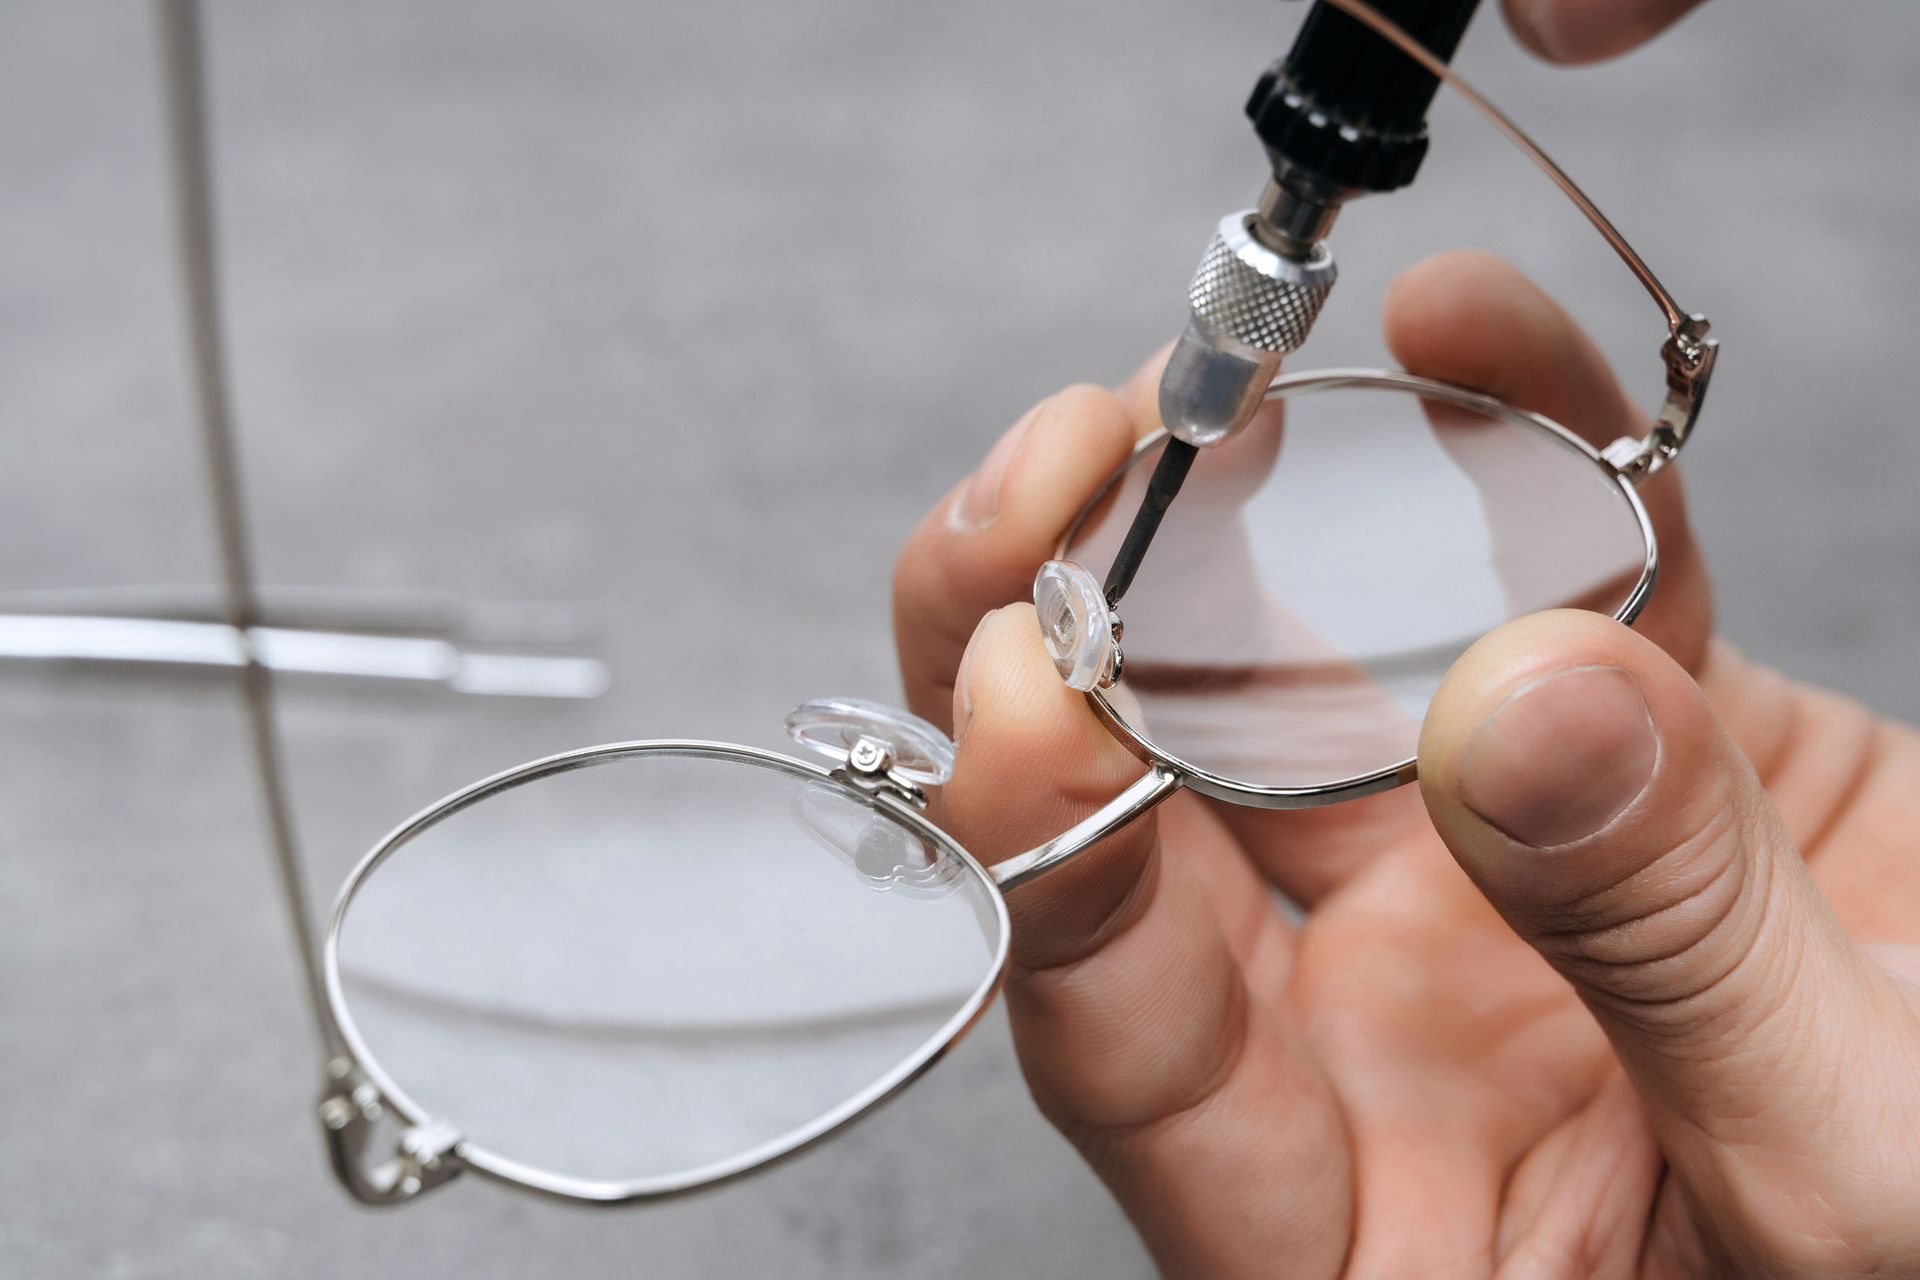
[979, 500]
[962, 681]
[1561, 757]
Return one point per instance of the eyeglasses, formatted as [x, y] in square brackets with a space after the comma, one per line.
[634, 970]
[1284, 637]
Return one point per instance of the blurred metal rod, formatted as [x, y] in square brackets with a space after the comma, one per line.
[175, 642]
[492, 624]
[193, 218]
[376, 610]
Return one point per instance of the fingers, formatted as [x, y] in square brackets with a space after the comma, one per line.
[1131, 988]
[1140, 393]
[980, 547]
[1588, 30]
[1472, 319]
[1579, 777]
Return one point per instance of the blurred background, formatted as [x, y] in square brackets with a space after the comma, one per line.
[685, 313]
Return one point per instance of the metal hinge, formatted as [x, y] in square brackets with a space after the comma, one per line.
[425, 1156]
[1689, 355]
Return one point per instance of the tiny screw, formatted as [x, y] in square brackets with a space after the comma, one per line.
[336, 1112]
[869, 756]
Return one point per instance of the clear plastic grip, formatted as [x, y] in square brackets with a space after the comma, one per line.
[833, 727]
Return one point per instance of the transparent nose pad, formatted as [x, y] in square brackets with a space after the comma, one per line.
[886, 856]
[871, 738]
[1082, 633]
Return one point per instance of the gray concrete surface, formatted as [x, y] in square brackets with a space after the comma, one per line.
[690, 310]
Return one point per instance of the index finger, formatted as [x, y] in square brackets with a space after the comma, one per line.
[979, 548]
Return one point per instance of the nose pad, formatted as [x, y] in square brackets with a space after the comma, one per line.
[1082, 633]
[835, 728]
[886, 856]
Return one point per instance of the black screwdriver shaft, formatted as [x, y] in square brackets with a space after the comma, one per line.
[1168, 475]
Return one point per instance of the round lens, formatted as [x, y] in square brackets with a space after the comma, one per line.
[658, 966]
[1320, 572]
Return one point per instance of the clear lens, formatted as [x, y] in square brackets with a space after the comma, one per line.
[1320, 572]
[663, 967]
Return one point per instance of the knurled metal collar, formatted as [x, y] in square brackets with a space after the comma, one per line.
[1259, 298]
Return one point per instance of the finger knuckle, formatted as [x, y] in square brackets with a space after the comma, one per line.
[1662, 938]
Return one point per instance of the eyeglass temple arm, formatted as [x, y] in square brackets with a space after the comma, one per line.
[1688, 353]
[184, 91]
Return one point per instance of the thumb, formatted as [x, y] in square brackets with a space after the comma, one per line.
[1580, 778]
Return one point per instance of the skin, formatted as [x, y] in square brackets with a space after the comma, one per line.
[1623, 988]
[1575, 31]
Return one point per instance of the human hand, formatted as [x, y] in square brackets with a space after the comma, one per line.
[1655, 1047]
[1588, 30]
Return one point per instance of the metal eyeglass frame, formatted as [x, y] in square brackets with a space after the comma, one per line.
[877, 767]
[1234, 791]
[885, 760]
[430, 1152]
[1687, 354]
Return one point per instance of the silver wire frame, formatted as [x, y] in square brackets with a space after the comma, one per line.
[1688, 352]
[431, 1152]
[1688, 355]
[1218, 787]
